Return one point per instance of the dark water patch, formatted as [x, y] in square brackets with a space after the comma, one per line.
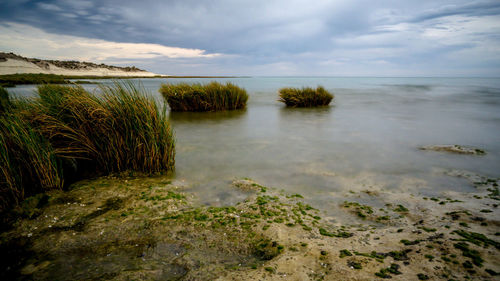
[99, 260]
[298, 112]
[206, 117]
[487, 92]
[114, 203]
[411, 87]
[13, 255]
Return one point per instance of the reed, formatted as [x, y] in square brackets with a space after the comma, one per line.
[28, 163]
[4, 100]
[210, 97]
[305, 97]
[77, 134]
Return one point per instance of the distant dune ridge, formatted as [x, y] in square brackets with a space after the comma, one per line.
[11, 63]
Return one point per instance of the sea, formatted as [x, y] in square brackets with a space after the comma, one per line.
[367, 139]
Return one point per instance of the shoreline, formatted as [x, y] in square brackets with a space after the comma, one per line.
[11, 80]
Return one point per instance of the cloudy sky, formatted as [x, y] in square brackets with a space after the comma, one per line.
[262, 37]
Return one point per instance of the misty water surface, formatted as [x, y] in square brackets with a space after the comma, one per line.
[369, 136]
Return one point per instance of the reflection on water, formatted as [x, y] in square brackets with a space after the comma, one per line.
[367, 138]
[208, 117]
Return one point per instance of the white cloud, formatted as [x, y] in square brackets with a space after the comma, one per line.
[34, 42]
[461, 29]
[49, 7]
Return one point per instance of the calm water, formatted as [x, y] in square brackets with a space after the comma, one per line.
[368, 137]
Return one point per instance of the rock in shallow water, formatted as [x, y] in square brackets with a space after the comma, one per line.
[454, 148]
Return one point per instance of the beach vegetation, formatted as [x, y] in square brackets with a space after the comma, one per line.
[305, 97]
[11, 80]
[213, 96]
[67, 134]
[28, 163]
[4, 100]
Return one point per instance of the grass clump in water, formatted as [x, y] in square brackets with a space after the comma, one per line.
[28, 163]
[66, 134]
[305, 97]
[210, 97]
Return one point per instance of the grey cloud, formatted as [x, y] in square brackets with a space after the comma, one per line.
[468, 9]
[262, 33]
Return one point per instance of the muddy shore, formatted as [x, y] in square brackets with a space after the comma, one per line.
[136, 228]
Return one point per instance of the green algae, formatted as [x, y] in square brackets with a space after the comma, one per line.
[428, 229]
[429, 257]
[339, 234]
[386, 272]
[345, 253]
[374, 255]
[394, 269]
[491, 272]
[409, 243]
[361, 210]
[477, 238]
[422, 276]
[470, 253]
[399, 255]
[270, 269]
[354, 265]
[267, 250]
[401, 208]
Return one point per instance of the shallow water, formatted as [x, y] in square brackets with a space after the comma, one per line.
[367, 139]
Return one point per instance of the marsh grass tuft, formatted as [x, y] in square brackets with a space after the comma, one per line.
[305, 97]
[4, 100]
[67, 133]
[210, 97]
[28, 163]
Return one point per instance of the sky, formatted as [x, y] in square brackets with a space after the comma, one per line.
[262, 37]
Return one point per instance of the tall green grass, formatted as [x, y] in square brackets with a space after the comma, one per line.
[67, 133]
[210, 97]
[28, 163]
[305, 97]
[4, 100]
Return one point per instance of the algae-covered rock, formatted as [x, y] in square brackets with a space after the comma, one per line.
[454, 148]
[247, 185]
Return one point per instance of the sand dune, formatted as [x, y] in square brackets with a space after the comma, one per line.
[15, 64]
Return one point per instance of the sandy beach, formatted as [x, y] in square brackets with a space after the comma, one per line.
[13, 66]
